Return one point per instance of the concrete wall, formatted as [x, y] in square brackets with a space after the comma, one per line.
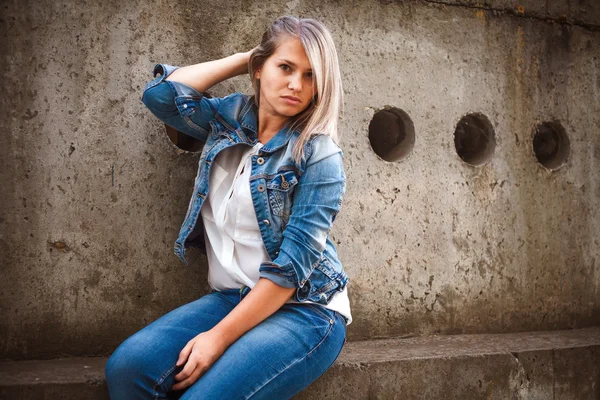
[577, 12]
[93, 192]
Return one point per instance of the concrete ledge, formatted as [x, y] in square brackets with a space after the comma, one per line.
[526, 365]
[63, 378]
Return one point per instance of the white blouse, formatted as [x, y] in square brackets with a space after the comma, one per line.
[234, 246]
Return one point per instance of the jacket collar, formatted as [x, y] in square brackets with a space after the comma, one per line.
[249, 122]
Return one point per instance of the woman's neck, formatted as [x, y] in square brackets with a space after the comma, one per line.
[268, 125]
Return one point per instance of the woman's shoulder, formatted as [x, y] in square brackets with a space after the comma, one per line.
[233, 102]
[234, 106]
[321, 146]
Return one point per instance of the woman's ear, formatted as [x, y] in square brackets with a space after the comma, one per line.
[257, 74]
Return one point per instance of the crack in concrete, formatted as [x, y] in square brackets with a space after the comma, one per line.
[518, 14]
[523, 380]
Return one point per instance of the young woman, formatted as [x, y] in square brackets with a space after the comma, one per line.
[269, 186]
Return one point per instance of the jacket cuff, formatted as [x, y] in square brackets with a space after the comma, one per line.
[278, 279]
[181, 89]
[164, 70]
[283, 275]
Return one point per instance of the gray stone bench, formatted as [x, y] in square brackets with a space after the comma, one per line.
[526, 365]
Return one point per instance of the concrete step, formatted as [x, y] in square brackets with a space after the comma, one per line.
[525, 365]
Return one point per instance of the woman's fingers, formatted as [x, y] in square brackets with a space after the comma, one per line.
[189, 380]
[185, 353]
[187, 371]
[198, 355]
[193, 377]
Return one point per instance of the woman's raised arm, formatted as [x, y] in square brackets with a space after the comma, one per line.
[204, 75]
[175, 97]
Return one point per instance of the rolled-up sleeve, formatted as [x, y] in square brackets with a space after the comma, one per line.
[178, 105]
[317, 200]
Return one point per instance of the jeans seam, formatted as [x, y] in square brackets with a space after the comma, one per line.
[341, 317]
[315, 307]
[162, 378]
[295, 362]
[338, 355]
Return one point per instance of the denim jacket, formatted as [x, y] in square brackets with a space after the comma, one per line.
[295, 203]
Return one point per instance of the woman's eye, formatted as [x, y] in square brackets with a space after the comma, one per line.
[309, 75]
[284, 67]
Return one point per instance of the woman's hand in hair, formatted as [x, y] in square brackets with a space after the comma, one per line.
[198, 355]
[248, 53]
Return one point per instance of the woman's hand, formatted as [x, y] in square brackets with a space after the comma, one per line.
[246, 57]
[201, 353]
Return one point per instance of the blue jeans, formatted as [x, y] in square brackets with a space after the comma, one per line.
[274, 360]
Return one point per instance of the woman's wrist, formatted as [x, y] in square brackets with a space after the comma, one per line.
[222, 339]
[219, 339]
[242, 59]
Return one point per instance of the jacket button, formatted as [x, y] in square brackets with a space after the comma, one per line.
[260, 161]
[266, 222]
[277, 252]
[285, 185]
[304, 288]
[261, 188]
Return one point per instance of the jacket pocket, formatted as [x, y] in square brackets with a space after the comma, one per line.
[280, 190]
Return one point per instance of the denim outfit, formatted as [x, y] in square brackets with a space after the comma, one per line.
[298, 243]
[295, 205]
[274, 360]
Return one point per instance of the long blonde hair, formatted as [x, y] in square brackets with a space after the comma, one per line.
[321, 116]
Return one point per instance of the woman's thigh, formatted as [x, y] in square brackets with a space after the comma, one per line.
[277, 358]
[143, 366]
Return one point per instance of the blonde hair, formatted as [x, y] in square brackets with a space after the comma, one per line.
[321, 116]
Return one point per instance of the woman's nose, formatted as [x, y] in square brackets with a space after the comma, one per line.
[295, 83]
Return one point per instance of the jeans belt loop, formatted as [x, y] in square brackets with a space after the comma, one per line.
[244, 291]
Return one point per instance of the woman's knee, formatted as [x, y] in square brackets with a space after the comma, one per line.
[129, 359]
[118, 364]
[134, 370]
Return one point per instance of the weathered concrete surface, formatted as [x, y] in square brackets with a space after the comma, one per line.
[579, 12]
[64, 378]
[527, 365]
[93, 192]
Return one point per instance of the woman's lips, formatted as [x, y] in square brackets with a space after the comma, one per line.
[291, 100]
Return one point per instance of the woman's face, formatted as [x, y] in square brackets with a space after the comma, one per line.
[286, 82]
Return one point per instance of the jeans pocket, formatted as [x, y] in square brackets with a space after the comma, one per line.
[342, 318]
[322, 312]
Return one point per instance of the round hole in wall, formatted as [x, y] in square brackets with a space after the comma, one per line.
[474, 139]
[551, 144]
[391, 134]
[183, 141]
